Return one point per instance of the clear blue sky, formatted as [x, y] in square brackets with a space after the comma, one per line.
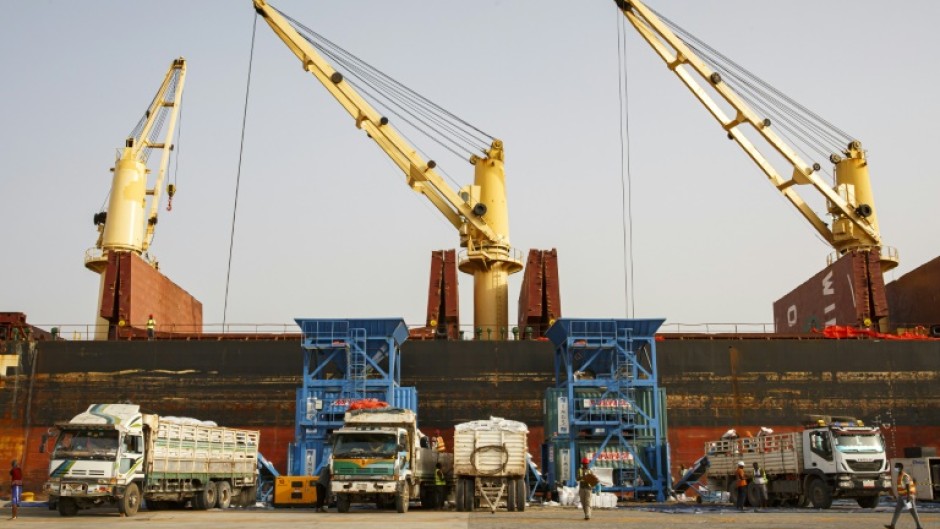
[326, 226]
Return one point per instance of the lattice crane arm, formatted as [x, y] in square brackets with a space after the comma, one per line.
[420, 174]
[854, 222]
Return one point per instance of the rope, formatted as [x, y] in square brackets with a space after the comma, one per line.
[626, 182]
[490, 448]
[238, 175]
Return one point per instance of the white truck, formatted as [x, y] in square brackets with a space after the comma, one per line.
[378, 457]
[114, 454]
[490, 464]
[833, 457]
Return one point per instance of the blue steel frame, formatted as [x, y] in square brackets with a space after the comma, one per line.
[344, 360]
[608, 349]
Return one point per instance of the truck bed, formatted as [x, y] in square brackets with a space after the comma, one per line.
[179, 449]
[776, 454]
[494, 448]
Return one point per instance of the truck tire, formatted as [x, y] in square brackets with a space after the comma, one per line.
[511, 495]
[521, 494]
[224, 494]
[342, 503]
[868, 502]
[67, 507]
[401, 498]
[753, 495]
[470, 494]
[130, 503]
[459, 495]
[819, 494]
[248, 496]
[205, 499]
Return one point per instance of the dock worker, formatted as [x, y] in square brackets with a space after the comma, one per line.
[905, 492]
[16, 487]
[439, 484]
[151, 326]
[323, 487]
[760, 483]
[741, 481]
[586, 483]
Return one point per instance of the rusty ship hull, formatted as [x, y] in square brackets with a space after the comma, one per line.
[712, 384]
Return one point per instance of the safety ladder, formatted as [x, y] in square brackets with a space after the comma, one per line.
[356, 363]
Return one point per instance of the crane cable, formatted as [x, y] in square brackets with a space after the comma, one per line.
[389, 96]
[238, 174]
[804, 129]
[626, 187]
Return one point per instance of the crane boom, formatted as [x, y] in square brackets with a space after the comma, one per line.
[478, 211]
[850, 203]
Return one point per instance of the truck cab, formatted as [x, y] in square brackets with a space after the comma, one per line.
[371, 458]
[849, 457]
[96, 456]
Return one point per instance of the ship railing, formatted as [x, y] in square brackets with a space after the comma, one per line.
[716, 328]
[210, 331]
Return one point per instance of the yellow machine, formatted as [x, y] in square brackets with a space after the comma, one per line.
[126, 226]
[850, 202]
[478, 211]
[295, 491]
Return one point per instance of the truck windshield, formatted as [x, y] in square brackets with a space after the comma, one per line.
[86, 444]
[364, 445]
[853, 442]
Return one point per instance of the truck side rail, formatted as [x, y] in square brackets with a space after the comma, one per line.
[776, 453]
[184, 451]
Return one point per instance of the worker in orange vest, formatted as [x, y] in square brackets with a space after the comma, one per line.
[906, 491]
[741, 479]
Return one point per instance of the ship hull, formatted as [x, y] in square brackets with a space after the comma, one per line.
[712, 385]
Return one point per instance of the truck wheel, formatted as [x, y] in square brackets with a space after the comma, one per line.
[249, 495]
[753, 495]
[401, 498]
[868, 502]
[469, 491]
[130, 503]
[511, 495]
[458, 495]
[67, 507]
[819, 494]
[521, 495]
[224, 494]
[342, 503]
[205, 499]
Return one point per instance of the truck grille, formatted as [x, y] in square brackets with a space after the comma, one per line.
[370, 471]
[865, 466]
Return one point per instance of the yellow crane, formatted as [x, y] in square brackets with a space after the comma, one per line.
[126, 225]
[850, 202]
[478, 211]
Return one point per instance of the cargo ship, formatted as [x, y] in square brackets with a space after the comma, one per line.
[712, 382]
